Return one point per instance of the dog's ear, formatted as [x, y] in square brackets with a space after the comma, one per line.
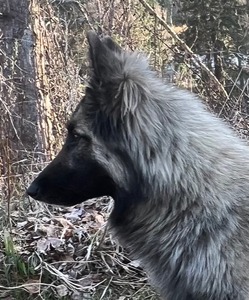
[102, 55]
[124, 76]
[111, 44]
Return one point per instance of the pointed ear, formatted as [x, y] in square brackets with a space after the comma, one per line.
[111, 44]
[104, 61]
[94, 44]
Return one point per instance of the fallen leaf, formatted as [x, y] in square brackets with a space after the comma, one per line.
[21, 224]
[32, 286]
[62, 290]
[44, 244]
[100, 220]
[75, 214]
[135, 263]
[50, 230]
[64, 222]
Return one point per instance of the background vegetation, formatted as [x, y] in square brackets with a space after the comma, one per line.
[56, 253]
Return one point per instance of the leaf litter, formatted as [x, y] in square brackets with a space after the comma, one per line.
[73, 256]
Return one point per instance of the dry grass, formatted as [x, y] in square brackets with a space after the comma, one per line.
[65, 253]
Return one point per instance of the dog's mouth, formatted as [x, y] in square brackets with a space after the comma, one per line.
[58, 196]
[52, 192]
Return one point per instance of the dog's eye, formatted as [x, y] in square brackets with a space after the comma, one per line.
[78, 136]
[75, 135]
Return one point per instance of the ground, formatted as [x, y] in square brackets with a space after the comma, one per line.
[50, 252]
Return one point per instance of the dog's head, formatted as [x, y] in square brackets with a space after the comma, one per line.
[102, 132]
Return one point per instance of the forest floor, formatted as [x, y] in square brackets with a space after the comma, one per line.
[49, 252]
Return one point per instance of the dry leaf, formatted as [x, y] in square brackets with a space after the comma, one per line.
[135, 263]
[32, 286]
[44, 245]
[50, 230]
[75, 214]
[21, 224]
[64, 222]
[62, 290]
[100, 220]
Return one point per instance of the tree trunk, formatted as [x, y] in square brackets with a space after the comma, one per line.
[19, 95]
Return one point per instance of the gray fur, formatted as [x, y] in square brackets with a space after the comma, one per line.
[181, 177]
[191, 232]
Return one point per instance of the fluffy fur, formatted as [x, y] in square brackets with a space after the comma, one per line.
[179, 177]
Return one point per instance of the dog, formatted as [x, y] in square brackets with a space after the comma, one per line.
[179, 176]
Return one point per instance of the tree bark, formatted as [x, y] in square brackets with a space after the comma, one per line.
[18, 88]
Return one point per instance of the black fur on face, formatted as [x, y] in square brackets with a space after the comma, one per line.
[73, 176]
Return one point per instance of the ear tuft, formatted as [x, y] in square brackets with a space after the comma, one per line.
[130, 94]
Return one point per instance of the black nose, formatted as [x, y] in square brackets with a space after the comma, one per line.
[33, 190]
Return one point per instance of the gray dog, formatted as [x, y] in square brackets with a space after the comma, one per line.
[178, 175]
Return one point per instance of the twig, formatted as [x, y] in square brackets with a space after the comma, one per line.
[195, 58]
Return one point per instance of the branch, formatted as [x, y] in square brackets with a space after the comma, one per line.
[195, 58]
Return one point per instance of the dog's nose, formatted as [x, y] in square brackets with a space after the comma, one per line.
[33, 190]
